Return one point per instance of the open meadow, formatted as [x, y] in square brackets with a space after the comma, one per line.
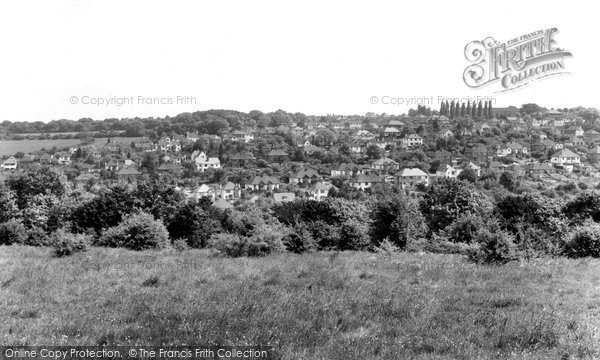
[348, 305]
[10, 147]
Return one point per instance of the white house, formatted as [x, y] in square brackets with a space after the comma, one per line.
[412, 140]
[565, 157]
[203, 162]
[391, 132]
[9, 164]
[204, 191]
[364, 135]
[63, 158]
[448, 172]
[320, 190]
[408, 178]
[363, 182]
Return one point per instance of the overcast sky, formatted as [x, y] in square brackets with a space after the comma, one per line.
[314, 57]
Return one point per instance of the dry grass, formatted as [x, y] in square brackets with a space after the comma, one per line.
[313, 306]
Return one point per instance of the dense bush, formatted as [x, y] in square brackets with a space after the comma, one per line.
[463, 229]
[583, 241]
[104, 211]
[66, 243]
[195, 222]
[8, 206]
[12, 232]
[35, 181]
[234, 245]
[495, 246]
[509, 181]
[333, 224]
[266, 239]
[534, 210]
[585, 205]
[299, 239]
[180, 245]
[136, 232]
[397, 219]
[37, 236]
[157, 197]
[534, 241]
[449, 199]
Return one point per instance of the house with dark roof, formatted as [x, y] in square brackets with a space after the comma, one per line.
[364, 182]
[305, 176]
[263, 183]
[477, 153]
[537, 169]
[245, 159]
[84, 179]
[128, 174]
[172, 169]
[592, 136]
[385, 164]
[278, 156]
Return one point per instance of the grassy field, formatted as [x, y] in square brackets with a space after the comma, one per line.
[313, 306]
[10, 147]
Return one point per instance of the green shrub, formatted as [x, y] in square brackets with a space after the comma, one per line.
[354, 235]
[136, 232]
[441, 245]
[180, 245]
[386, 247]
[37, 236]
[464, 229]
[534, 241]
[495, 246]
[228, 244]
[299, 240]
[327, 236]
[66, 243]
[397, 219]
[12, 232]
[265, 240]
[583, 241]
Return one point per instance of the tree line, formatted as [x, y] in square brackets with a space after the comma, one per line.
[38, 208]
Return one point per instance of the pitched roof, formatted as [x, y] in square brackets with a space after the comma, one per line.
[305, 173]
[278, 152]
[128, 171]
[412, 172]
[384, 161]
[228, 186]
[565, 153]
[367, 179]
[258, 180]
[242, 156]
[323, 186]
